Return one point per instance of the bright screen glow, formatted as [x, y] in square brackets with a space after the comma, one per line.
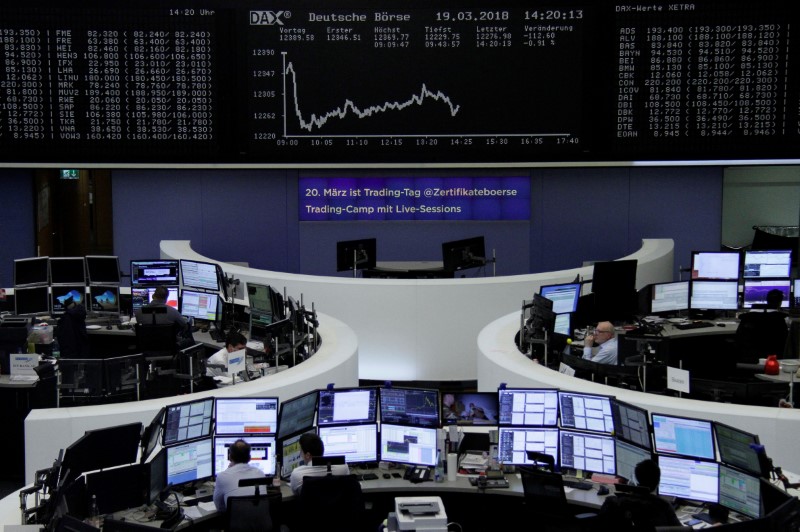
[262, 453]
[735, 448]
[739, 492]
[188, 421]
[104, 299]
[587, 452]
[201, 275]
[564, 296]
[60, 294]
[347, 406]
[471, 408]
[408, 445]
[772, 263]
[190, 462]
[515, 442]
[143, 296]
[154, 272]
[297, 414]
[357, 443]
[563, 324]
[631, 424]
[585, 412]
[201, 305]
[689, 479]
[683, 436]
[410, 406]
[527, 406]
[715, 295]
[669, 297]
[246, 415]
[628, 456]
[719, 265]
[291, 455]
[755, 291]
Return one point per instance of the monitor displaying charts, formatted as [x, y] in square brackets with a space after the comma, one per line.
[628, 456]
[410, 406]
[187, 421]
[767, 263]
[585, 412]
[246, 415]
[357, 443]
[669, 297]
[586, 451]
[528, 406]
[297, 414]
[755, 291]
[631, 423]
[738, 448]
[291, 454]
[719, 265]
[408, 445]
[350, 405]
[564, 296]
[262, 452]
[714, 295]
[739, 491]
[190, 462]
[514, 443]
[683, 436]
[688, 478]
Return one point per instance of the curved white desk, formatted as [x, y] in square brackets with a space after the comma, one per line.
[49, 430]
[422, 329]
[499, 361]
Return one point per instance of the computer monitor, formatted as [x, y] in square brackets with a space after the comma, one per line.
[631, 423]
[347, 405]
[767, 263]
[152, 434]
[683, 436]
[190, 462]
[102, 269]
[756, 290]
[628, 456]
[201, 305]
[154, 272]
[470, 408]
[67, 270]
[156, 476]
[528, 407]
[585, 411]
[739, 491]
[410, 406]
[563, 325]
[188, 421]
[714, 295]
[669, 298]
[104, 299]
[715, 265]
[356, 254]
[564, 296]
[60, 296]
[687, 478]
[120, 373]
[200, 275]
[514, 443]
[32, 271]
[738, 448]
[291, 454]
[463, 254]
[259, 297]
[796, 293]
[278, 307]
[258, 325]
[246, 415]
[32, 301]
[357, 443]
[143, 296]
[263, 452]
[297, 414]
[103, 448]
[404, 444]
[614, 277]
[586, 451]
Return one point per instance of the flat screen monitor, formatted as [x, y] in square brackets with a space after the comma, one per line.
[104, 299]
[463, 254]
[103, 448]
[614, 277]
[410, 406]
[796, 292]
[67, 270]
[102, 269]
[31, 271]
[246, 415]
[357, 443]
[470, 408]
[767, 263]
[563, 325]
[60, 296]
[278, 307]
[667, 298]
[683, 436]
[143, 296]
[190, 462]
[156, 476]
[259, 297]
[716, 265]
[528, 407]
[201, 305]
[152, 434]
[755, 292]
[356, 254]
[585, 411]
[628, 456]
[259, 321]
[739, 491]
[631, 423]
[564, 296]
[585, 451]
[121, 373]
[404, 444]
[736, 448]
[714, 295]
[263, 452]
[515, 442]
[687, 478]
[347, 405]
[154, 272]
[297, 414]
[118, 489]
[188, 421]
[200, 275]
[32, 301]
[291, 454]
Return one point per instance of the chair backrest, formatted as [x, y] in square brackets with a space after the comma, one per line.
[156, 340]
[331, 503]
[249, 513]
[544, 494]
[760, 334]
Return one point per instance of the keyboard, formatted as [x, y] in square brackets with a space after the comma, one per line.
[694, 325]
[577, 484]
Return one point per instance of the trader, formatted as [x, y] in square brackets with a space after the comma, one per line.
[235, 341]
[601, 347]
[146, 316]
[227, 482]
[644, 510]
[311, 445]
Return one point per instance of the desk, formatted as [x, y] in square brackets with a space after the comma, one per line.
[788, 377]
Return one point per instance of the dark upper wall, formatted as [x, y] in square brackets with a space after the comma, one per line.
[577, 214]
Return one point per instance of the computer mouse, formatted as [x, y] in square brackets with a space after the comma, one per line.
[602, 490]
[387, 475]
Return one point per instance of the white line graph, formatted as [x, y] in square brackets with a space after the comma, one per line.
[349, 106]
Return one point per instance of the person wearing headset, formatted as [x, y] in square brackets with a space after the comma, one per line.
[227, 482]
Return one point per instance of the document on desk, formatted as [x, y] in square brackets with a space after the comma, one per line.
[194, 512]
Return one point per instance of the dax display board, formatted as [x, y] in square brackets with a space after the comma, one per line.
[321, 82]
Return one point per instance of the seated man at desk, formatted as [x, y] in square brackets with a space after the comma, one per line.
[227, 483]
[762, 332]
[169, 315]
[311, 445]
[601, 347]
[235, 341]
[644, 510]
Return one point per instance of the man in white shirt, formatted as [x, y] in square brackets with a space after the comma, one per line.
[227, 483]
[235, 341]
[601, 347]
[311, 445]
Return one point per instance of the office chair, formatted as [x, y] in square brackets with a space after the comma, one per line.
[760, 334]
[333, 503]
[156, 340]
[260, 512]
[546, 503]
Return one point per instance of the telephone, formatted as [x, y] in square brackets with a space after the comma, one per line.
[417, 474]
